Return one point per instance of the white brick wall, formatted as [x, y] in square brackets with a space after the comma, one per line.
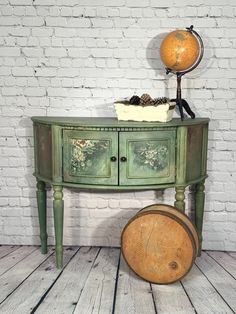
[75, 58]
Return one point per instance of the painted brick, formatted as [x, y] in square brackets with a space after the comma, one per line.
[5, 71]
[32, 52]
[78, 53]
[22, 71]
[55, 52]
[35, 91]
[9, 51]
[42, 32]
[7, 131]
[78, 22]
[47, 72]
[9, 21]
[33, 21]
[102, 23]
[65, 32]
[56, 21]
[44, 2]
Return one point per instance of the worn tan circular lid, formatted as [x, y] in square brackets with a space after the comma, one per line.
[160, 244]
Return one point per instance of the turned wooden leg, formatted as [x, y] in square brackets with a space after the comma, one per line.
[58, 210]
[42, 212]
[199, 210]
[179, 198]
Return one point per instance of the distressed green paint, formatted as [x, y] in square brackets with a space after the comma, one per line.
[157, 156]
[180, 197]
[91, 163]
[58, 211]
[204, 150]
[199, 209]
[43, 150]
[57, 153]
[86, 122]
[118, 187]
[35, 148]
[151, 155]
[155, 164]
[194, 152]
[181, 156]
[42, 212]
[86, 154]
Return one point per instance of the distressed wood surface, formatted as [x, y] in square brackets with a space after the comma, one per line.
[96, 280]
[14, 257]
[225, 260]
[98, 291]
[203, 295]
[233, 254]
[223, 282]
[133, 295]
[11, 279]
[171, 299]
[160, 243]
[7, 249]
[37, 284]
[72, 280]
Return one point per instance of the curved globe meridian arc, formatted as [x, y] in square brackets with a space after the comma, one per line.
[179, 50]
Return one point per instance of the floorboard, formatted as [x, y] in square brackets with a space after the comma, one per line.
[172, 299]
[14, 257]
[222, 281]
[11, 279]
[98, 291]
[97, 280]
[67, 290]
[204, 297]
[7, 249]
[232, 254]
[225, 260]
[133, 294]
[37, 283]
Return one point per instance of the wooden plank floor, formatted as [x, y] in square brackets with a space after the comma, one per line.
[97, 280]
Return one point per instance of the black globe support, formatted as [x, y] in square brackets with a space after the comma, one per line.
[180, 102]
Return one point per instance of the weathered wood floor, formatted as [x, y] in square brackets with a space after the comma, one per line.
[97, 280]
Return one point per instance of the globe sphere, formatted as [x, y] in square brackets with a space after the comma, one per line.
[179, 50]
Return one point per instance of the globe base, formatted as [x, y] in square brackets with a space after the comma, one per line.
[183, 104]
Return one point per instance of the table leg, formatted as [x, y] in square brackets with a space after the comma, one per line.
[180, 197]
[199, 210]
[58, 210]
[42, 212]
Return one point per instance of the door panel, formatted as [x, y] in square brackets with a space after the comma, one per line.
[149, 157]
[87, 157]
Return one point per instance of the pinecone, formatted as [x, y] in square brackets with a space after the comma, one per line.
[160, 101]
[134, 100]
[145, 100]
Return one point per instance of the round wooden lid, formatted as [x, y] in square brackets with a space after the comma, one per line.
[158, 245]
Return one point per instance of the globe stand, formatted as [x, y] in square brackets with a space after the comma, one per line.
[182, 103]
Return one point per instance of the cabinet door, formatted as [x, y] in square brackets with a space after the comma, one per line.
[87, 157]
[147, 157]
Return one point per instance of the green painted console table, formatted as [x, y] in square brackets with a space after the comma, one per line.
[104, 153]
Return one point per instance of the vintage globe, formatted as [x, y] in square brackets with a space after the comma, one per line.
[180, 50]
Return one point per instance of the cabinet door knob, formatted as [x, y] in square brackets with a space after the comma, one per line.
[123, 159]
[113, 158]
